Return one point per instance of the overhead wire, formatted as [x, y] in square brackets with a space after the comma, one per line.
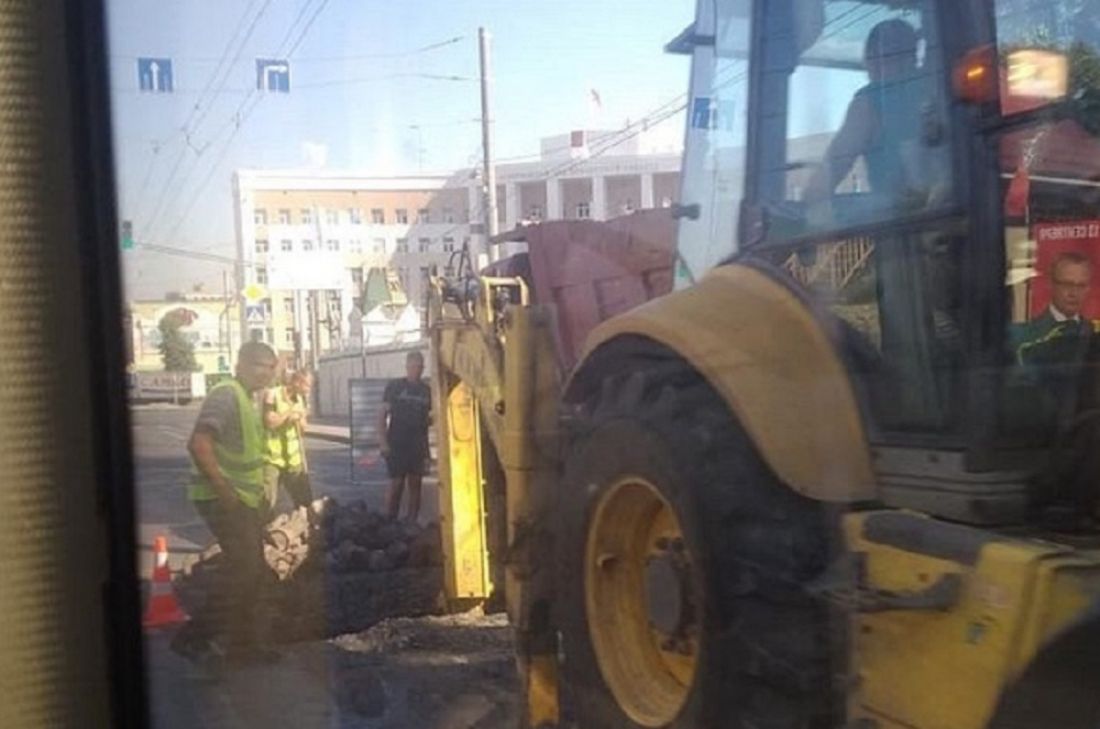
[191, 124]
[657, 116]
[243, 114]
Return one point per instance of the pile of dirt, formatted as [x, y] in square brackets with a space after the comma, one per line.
[336, 569]
[445, 672]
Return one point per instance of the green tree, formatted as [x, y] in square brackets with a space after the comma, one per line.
[176, 351]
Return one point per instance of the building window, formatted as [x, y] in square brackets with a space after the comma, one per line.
[288, 306]
[425, 273]
[306, 216]
[332, 245]
[357, 278]
[284, 216]
[379, 245]
[307, 245]
[583, 211]
[262, 245]
[259, 217]
[288, 337]
[402, 245]
[286, 245]
[423, 215]
[535, 213]
[448, 245]
[403, 276]
[261, 275]
[378, 216]
[355, 216]
[448, 215]
[424, 245]
[332, 217]
[355, 245]
[402, 216]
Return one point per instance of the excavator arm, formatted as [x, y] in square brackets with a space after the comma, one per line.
[496, 386]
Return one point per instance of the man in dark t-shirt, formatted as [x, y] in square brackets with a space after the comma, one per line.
[403, 434]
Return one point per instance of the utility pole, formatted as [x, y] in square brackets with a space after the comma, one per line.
[226, 314]
[489, 174]
[313, 297]
[314, 330]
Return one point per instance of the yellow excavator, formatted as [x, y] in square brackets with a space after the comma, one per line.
[814, 446]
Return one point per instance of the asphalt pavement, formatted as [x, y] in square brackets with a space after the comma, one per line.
[316, 682]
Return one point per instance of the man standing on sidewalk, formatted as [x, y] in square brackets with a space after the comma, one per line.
[227, 489]
[403, 434]
[285, 412]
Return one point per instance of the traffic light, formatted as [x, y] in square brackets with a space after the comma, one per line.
[126, 235]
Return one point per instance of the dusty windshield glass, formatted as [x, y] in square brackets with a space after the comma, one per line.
[299, 184]
[628, 363]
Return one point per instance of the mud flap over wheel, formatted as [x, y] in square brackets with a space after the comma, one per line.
[682, 564]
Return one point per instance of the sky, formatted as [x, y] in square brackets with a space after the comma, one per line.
[377, 87]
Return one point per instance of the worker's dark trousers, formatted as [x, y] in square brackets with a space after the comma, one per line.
[296, 483]
[230, 611]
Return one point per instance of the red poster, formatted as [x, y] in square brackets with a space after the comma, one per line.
[1067, 241]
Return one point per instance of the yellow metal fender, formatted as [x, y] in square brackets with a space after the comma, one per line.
[764, 351]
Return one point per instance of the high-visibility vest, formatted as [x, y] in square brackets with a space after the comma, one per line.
[244, 470]
[284, 445]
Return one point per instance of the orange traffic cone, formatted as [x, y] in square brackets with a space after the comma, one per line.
[163, 609]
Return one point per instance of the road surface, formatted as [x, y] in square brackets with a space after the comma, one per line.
[439, 673]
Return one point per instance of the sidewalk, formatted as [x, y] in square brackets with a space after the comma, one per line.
[332, 432]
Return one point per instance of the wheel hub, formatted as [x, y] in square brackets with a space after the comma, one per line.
[638, 597]
[664, 594]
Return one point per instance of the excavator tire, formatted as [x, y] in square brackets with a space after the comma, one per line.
[1059, 687]
[750, 647]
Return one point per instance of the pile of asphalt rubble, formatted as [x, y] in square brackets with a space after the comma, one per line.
[336, 569]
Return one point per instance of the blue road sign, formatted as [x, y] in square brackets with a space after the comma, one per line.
[700, 113]
[708, 113]
[155, 75]
[273, 75]
[254, 314]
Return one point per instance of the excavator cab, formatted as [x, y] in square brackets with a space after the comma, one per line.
[821, 482]
[917, 170]
[843, 474]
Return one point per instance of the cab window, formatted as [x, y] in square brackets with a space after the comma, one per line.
[714, 150]
[852, 143]
[853, 116]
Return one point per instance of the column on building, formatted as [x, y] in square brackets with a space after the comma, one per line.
[511, 205]
[647, 191]
[476, 216]
[599, 198]
[347, 300]
[553, 200]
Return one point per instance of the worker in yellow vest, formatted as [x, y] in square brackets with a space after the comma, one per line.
[227, 490]
[285, 412]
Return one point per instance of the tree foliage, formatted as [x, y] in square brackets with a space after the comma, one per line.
[176, 350]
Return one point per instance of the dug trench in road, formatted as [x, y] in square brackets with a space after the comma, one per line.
[162, 467]
[335, 569]
[160, 434]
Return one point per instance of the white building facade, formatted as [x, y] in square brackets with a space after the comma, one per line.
[320, 231]
[306, 231]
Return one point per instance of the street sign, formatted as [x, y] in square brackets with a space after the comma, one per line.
[273, 75]
[126, 235]
[254, 315]
[155, 75]
[254, 293]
